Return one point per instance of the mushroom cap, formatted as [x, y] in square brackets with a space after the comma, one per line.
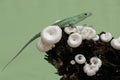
[115, 43]
[69, 30]
[72, 62]
[88, 33]
[96, 38]
[106, 37]
[96, 61]
[43, 47]
[74, 40]
[51, 34]
[90, 70]
[79, 28]
[80, 59]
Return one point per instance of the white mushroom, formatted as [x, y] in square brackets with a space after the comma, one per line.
[80, 59]
[96, 38]
[115, 43]
[74, 40]
[106, 37]
[90, 70]
[86, 67]
[79, 28]
[96, 61]
[72, 62]
[69, 30]
[43, 47]
[51, 34]
[88, 33]
[93, 67]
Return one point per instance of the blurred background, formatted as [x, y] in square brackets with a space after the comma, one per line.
[22, 19]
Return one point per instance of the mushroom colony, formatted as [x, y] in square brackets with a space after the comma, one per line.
[79, 53]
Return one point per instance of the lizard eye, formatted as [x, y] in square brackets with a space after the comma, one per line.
[85, 14]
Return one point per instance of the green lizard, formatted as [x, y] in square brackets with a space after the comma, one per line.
[62, 23]
[72, 20]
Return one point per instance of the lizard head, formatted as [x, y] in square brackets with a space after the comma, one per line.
[85, 15]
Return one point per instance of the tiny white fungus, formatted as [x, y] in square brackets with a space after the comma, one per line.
[51, 34]
[79, 28]
[43, 47]
[69, 30]
[93, 67]
[88, 33]
[74, 40]
[96, 38]
[72, 62]
[106, 37]
[89, 70]
[115, 43]
[96, 61]
[80, 59]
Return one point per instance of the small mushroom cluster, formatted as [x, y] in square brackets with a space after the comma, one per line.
[93, 67]
[78, 52]
[115, 43]
[79, 33]
[89, 69]
[107, 37]
[53, 34]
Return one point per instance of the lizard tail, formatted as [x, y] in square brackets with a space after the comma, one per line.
[32, 39]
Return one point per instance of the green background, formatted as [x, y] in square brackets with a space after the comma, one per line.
[21, 19]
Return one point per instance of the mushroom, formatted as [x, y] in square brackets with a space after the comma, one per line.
[93, 67]
[79, 28]
[80, 59]
[96, 38]
[96, 61]
[88, 33]
[72, 62]
[115, 43]
[43, 47]
[51, 34]
[90, 70]
[74, 40]
[69, 30]
[106, 37]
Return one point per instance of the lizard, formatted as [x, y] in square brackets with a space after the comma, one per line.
[62, 23]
